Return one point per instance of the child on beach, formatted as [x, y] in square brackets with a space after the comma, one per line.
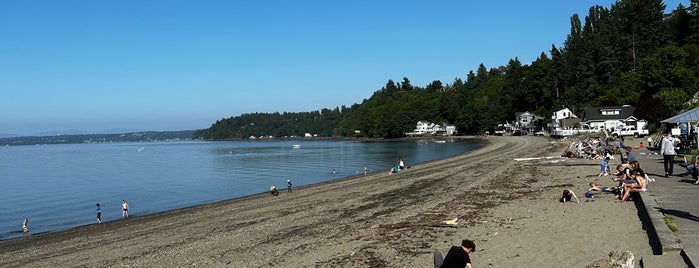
[288, 186]
[568, 195]
[99, 213]
[273, 190]
[604, 167]
[25, 226]
[599, 188]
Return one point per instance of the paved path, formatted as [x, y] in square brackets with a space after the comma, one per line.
[676, 199]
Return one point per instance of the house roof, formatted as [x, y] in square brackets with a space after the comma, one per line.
[595, 113]
[688, 116]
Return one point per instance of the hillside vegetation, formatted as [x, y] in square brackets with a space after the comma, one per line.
[628, 54]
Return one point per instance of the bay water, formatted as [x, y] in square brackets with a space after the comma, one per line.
[56, 187]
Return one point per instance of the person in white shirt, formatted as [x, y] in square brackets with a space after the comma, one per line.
[667, 148]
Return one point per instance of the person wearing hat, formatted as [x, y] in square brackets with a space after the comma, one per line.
[273, 190]
[288, 186]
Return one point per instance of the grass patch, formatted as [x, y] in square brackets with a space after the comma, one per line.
[670, 224]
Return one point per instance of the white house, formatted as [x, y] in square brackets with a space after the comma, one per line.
[611, 117]
[428, 128]
[563, 118]
[451, 130]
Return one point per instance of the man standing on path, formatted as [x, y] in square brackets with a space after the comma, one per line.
[124, 209]
[667, 148]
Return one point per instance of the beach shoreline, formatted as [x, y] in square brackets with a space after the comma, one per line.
[378, 220]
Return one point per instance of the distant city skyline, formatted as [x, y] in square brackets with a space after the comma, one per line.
[181, 65]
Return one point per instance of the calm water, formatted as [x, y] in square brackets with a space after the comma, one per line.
[56, 186]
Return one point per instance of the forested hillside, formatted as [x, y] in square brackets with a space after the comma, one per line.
[322, 123]
[630, 53]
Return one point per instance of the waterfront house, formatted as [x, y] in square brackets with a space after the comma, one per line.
[611, 117]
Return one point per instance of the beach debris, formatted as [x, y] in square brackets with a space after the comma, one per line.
[452, 221]
[590, 148]
[617, 259]
[536, 158]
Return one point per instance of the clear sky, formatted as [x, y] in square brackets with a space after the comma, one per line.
[180, 65]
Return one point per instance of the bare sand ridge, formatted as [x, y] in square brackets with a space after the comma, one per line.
[509, 208]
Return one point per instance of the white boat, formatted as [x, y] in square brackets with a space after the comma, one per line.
[296, 146]
[440, 141]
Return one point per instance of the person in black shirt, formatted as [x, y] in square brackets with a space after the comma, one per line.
[457, 257]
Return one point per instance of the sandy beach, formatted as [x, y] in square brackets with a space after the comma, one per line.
[509, 208]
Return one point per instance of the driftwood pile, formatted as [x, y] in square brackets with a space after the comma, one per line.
[590, 148]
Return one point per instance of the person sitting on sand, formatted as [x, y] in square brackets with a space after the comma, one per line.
[568, 195]
[640, 186]
[393, 170]
[457, 257]
[273, 190]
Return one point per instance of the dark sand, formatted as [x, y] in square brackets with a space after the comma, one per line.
[509, 208]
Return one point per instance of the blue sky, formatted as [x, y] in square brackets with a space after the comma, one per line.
[179, 65]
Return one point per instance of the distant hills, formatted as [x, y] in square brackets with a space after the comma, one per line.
[71, 132]
[102, 138]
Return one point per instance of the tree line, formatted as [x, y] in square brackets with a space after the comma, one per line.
[628, 54]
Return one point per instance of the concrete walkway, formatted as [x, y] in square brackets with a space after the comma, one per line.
[669, 203]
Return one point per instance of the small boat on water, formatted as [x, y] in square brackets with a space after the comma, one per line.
[440, 141]
[296, 146]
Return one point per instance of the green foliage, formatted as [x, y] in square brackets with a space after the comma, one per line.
[630, 53]
[322, 123]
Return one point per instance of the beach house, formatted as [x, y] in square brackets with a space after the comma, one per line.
[564, 119]
[611, 117]
[429, 128]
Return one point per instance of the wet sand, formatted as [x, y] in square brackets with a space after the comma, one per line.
[509, 208]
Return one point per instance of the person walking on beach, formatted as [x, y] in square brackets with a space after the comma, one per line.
[99, 213]
[288, 186]
[667, 148]
[366, 170]
[457, 257]
[124, 209]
